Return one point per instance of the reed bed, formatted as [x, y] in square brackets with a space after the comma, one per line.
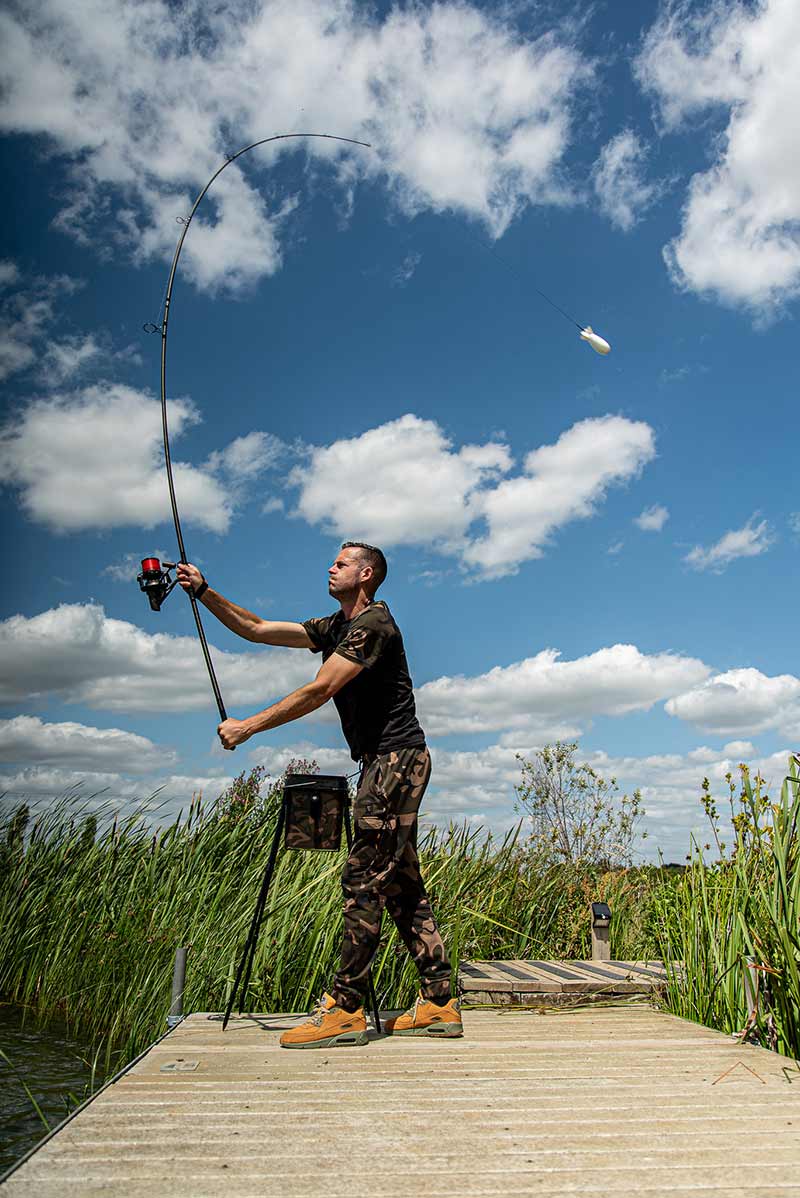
[89, 919]
[91, 912]
[734, 924]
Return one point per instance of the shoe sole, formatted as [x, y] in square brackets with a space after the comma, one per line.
[343, 1040]
[442, 1030]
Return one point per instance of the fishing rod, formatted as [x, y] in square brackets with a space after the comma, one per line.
[155, 579]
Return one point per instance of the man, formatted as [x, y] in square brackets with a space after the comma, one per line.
[364, 671]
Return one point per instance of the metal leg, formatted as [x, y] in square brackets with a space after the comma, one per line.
[248, 956]
[373, 998]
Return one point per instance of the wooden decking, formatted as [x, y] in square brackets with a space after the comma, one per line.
[599, 1101]
[560, 983]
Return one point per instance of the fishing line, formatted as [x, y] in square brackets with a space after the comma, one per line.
[598, 344]
[493, 250]
[163, 327]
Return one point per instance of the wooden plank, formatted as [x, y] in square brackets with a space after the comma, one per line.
[652, 969]
[601, 1102]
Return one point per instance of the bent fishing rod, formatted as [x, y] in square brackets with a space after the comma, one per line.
[155, 579]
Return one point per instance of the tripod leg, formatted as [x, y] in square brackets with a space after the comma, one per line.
[373, 998]
[248, 956]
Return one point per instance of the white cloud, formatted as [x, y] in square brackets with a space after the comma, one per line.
[157, 799]
[465, 112]
[405, 484]
[9, 272]
[29, 740]
[478, 786]
[739, 240]
[275, 759]
[29, 332]
[79, 654]
[28, 315]
[409, 486]
[671, 787]
[94, 459]
[64, 359]
[560, 483]
[549, 698]
[652, 519]
[619, 182]
[749, 541]
[405, 271]
[247, 457]
[743, 701]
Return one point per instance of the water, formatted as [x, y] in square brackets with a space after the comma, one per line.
[54, 1066]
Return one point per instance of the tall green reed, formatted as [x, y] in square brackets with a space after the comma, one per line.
[734, 931]
[89, 919]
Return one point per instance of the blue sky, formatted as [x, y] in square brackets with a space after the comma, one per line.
[602, 549]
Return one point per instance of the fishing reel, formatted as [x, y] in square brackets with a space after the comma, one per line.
[155, 580]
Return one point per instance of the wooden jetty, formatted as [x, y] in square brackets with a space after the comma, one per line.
[558, 983]
[609, 1101]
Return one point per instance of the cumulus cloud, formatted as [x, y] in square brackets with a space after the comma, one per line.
[406, 485]
[75, 652]
[739, 239]
[94, 459]
[275, 758]
[619, 180]
[157, 799]
[29, 313]
[549, 698]
[652, 519]
[32, 334]
[749, 541]
[741, 702]
[409, 486]
[30, 740]
[466, 113]
[247, 457]
[560, 483]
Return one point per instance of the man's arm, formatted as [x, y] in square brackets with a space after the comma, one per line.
[241, 621]
[333, 675]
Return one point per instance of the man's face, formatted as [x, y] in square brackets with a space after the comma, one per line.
[345, 575]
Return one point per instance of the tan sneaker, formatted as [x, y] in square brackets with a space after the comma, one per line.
[427, 1019]
[330, 1026]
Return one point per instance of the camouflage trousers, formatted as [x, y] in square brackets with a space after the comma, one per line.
[382, 870]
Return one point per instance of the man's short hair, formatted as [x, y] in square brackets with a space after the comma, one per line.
[370, 555]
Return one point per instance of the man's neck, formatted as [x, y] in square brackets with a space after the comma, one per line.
[354, 607]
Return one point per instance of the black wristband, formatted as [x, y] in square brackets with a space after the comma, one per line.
[201, 590]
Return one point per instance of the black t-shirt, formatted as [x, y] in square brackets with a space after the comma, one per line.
[377, 707]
